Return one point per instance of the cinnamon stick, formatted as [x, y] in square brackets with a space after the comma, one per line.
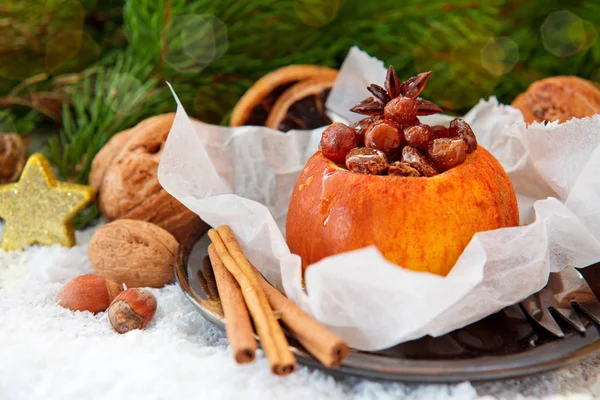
[238, 326]
[317, 339]
[271, 335]
[209, 275]
[203, 283]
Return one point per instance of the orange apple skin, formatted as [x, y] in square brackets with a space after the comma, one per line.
[419, 223]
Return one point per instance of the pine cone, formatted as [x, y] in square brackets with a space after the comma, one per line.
[559, 98]
[124, 173]
[12, 157]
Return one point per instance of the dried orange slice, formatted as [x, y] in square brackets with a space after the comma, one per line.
[257, 103]
[302, 106]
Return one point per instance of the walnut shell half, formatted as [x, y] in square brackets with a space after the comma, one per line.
[559, 98]
[125, 175]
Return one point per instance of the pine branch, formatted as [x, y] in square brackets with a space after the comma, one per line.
[103, 104]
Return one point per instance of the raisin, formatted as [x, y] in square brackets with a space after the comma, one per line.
[402, 169]
[446, 153]
[440, 131]
[337, 140]
[459, 127]
[384, 136]
[409, 124]
[401, 110]
[418, 161]
[364, 160]
[418, 135]
[360, 126]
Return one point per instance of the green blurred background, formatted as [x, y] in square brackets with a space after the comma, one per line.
[75, 72]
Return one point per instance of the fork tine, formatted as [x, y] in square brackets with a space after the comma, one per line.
[587, 302]
[592, 311]
[571, 317]
[534, 307]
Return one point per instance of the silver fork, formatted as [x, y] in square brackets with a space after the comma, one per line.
[567, 292]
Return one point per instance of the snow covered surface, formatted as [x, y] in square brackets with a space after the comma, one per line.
[47, 352]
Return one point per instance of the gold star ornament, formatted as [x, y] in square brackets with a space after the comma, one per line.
[40, 209]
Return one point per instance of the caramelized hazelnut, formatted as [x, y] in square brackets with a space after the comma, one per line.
[384, 136]
[337, 140]
[362, 125]
[401, 110]
[459, 127]
[418, 161]
[418, 135]
[364, 160]
[399, 168]
[440, 131]
[446, 153]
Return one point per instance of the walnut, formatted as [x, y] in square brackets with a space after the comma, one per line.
[12, 157]
[559, 98]
[124, 173]
[136, 253]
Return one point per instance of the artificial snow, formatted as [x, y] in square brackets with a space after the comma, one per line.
[47, 352]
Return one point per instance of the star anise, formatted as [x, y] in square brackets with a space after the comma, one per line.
[411, 88]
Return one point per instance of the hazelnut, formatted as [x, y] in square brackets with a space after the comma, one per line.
[418, 135]
[337, 140]
[132, 309]
[401, 110]
[90, 292]
[384, 136]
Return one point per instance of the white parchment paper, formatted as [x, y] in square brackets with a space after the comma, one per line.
[243, 177]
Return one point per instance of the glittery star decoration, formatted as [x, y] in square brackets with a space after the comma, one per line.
[40, 209]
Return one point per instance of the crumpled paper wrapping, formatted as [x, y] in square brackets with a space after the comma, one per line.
[243, 177]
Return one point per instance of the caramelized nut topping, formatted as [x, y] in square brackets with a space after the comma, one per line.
[399, 168]
[393, 122]
[364, 160]
[418, 135]
[459, 127]
[418, 161]
[361, 125]
[337, 140]
[446, 153]
[384, 136]
[440, 131]
[401, 110]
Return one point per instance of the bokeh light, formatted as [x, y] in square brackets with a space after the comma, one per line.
[317, 13]
[565, 34]
[500, 55]
[208, 107]
[62, 47]
[458, 59]
[194, 41]
[37, 35]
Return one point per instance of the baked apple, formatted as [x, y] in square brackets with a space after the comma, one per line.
[419, 203]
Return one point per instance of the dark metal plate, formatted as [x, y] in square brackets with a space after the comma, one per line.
[503, 345]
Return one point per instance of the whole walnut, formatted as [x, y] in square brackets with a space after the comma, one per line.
[12, 157]
[124, 173]
[559, 98]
